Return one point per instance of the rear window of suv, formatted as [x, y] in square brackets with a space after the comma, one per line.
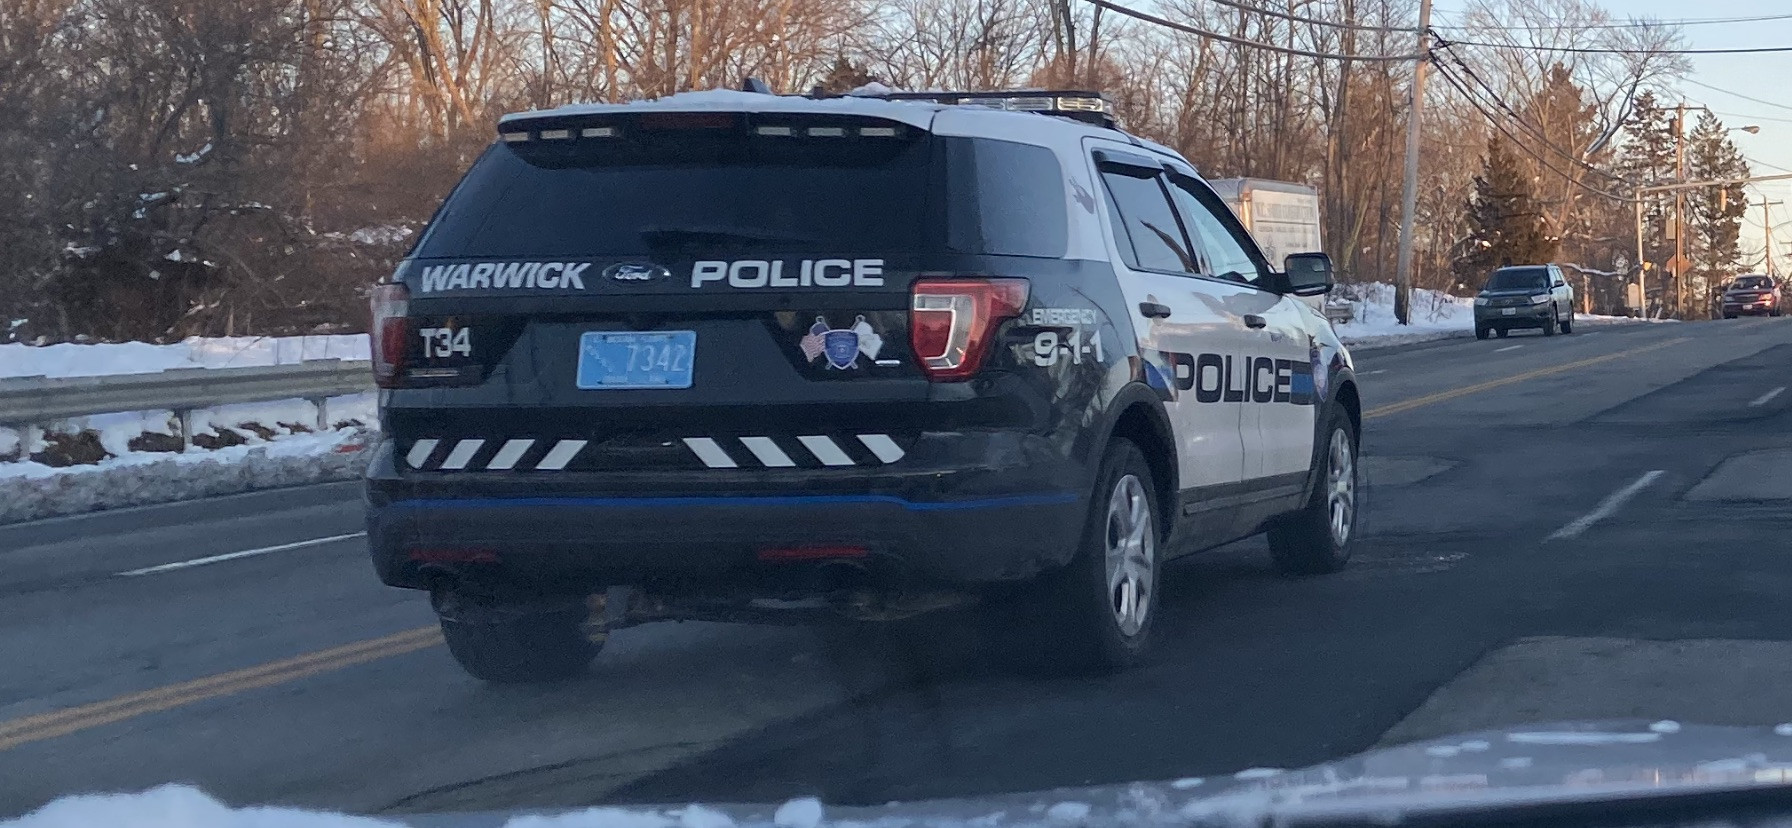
[1519, 278]
[1751, 283]
[671, 194]
[723, 192]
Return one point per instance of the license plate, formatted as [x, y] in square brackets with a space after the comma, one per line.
[661, 359]
[1509, 312]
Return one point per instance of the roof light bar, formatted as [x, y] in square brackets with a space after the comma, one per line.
[826, 132]
[556, 134]
[775, 130]
[514, 137]
[597, 132]
[1082, 105]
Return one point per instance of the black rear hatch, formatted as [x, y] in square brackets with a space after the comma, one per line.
[634, 280]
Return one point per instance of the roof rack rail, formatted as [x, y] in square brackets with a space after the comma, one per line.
[1080, 104]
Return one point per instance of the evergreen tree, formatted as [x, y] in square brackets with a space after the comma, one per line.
[1648, 158]
[1505, 225]
[1713, 214]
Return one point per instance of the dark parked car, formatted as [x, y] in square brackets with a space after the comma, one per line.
[1752, 295]
[1531, 296]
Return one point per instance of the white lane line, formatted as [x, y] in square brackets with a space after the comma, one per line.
[1376, 371]
[1606, 507]
[1767, 397]
[246, 553]
[1507, 348]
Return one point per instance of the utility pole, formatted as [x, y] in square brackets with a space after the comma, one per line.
[1767, 235]
[1679, 211]
[1642, 267]
[1409, 193]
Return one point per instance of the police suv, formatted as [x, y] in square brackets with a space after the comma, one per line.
[739, 356]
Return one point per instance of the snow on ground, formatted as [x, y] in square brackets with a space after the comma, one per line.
[180, 806]
[251, 445]
[29, 491]
[1435, 315]
[73, 360]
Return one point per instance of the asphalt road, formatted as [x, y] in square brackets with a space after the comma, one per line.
[1524, 493]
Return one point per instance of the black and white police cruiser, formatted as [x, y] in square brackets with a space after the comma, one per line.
[740, 356]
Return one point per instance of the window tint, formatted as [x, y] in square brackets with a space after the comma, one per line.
[1008, 199]
[678, 194]
[1518, 278]
[1144, 224]
[1225, 256]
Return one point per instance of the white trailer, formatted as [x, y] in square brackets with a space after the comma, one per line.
[1282, 216]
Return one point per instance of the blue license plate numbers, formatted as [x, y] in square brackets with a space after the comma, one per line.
[661, 359]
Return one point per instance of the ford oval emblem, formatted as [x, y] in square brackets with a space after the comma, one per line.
[635, 273]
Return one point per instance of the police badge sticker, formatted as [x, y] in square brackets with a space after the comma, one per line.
[841, 346]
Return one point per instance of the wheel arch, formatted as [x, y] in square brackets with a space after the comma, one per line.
[1140, 417]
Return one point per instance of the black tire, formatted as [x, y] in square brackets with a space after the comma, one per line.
[1316, 539]
[523, 649]
[1502, 332]
[1481, 331]
[1568, 324]
[1729, 316]
[1071, 619]
[1549, 323]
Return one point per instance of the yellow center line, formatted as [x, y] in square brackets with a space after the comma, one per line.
[1455, 393]
[36, 728]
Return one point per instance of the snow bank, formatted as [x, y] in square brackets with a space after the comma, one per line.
[71, 360]
[177, 806]
[29, 491]
[1435, 315]
[180, 806]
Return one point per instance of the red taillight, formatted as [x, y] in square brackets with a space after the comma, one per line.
[952, 322]
[391, 333]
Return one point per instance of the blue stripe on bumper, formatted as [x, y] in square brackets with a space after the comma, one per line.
[1042, 499]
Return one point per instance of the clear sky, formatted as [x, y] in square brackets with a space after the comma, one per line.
[1767, 77]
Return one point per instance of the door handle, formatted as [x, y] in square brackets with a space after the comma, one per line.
[1154, 310]
[1253, 321]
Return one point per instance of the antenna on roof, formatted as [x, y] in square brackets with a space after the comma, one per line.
[752, 84]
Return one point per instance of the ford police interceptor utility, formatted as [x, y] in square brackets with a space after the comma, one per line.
[740, 356]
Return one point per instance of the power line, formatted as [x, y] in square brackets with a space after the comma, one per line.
[1634, 23]
[1586, 50]
[1450, 78]
[1298, 19]
[1737, 94]
[1533, 131]
[1747, 117]
[1239, 41]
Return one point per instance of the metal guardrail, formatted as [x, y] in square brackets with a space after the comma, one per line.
[37, 401]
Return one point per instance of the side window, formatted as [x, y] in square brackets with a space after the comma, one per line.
[1555, 277]
[1144, 225]
[1227, 257]
[1008, 200]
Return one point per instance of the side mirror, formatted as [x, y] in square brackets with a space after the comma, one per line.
[1309, 274]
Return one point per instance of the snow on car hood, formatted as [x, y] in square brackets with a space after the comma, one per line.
[1541, 764]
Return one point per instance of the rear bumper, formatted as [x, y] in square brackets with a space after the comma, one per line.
[1015, 510]
[1749, 309]
[1528, 316]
